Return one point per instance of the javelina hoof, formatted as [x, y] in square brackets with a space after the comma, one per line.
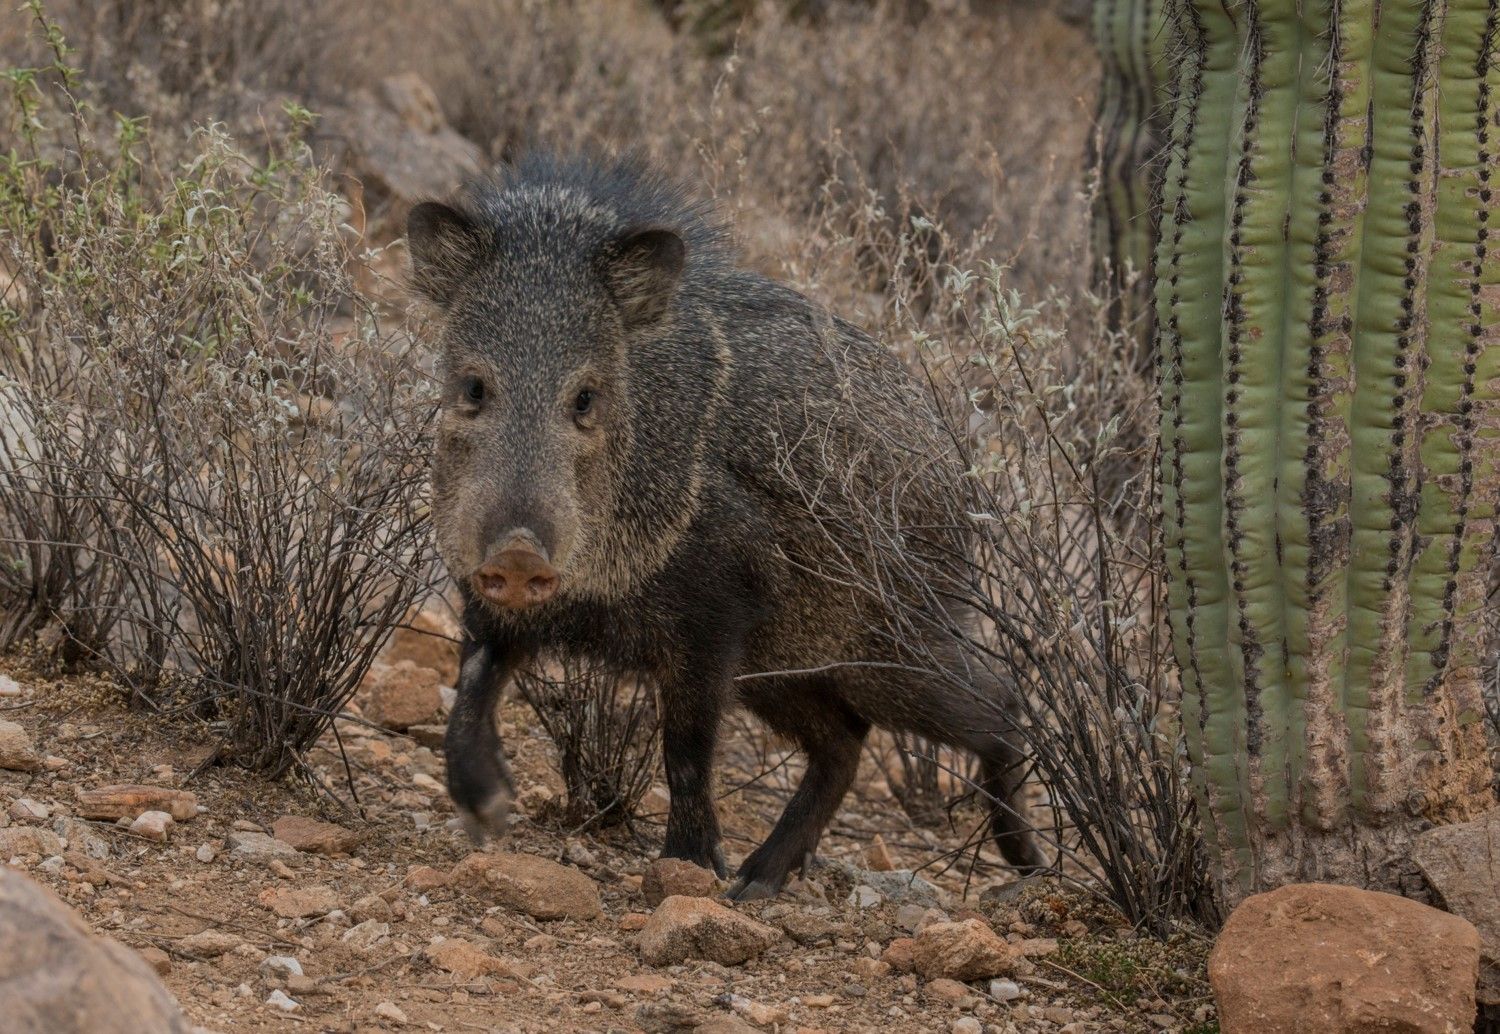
[489, 818]
[753, 890]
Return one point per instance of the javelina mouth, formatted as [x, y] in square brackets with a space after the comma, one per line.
[518, 575]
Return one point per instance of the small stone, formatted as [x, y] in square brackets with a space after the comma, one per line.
[129, 800]
[864, 896]
[299, 902]
[28, 840]
[542, 889]
[313, 836]
[156, 959]
[462, 959]
[674, 877]
[872, 969]
[280, 967]
[878, 856]
[900, 955]
[279, 1000]
[631, 922]
[946, 990]
[429, 736]
[9, 687]
[967, 1025]
[908, 916]
[373, 906]
[24, 809]
[53, 763]
[205, 853]
[422, 878]
[16, 751]
[1037, 947]
[645, 983]
[758, 1013]
[969, 950]
[257, 847]
[698, 928]
[818, 1001]
[1004, 990]
[366, 936]
[390, 1011]
[153, 825]
[898, 886]
[928, 917]
[1075, 928]
[210, 943]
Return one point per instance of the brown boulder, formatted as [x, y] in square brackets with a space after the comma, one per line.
[526, 883]
[400, 695]
[1338, 960]
[1462, 863]
[969, 950]
[673, 877]
[57, 977]
[697, 928]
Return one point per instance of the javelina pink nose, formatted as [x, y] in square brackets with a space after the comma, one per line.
[517, 577]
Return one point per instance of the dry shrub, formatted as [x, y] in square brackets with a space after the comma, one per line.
[221, 447]
[607, 736]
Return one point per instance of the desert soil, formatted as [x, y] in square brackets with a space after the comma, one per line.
[379, 907]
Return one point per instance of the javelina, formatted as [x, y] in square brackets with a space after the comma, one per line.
[620, 408]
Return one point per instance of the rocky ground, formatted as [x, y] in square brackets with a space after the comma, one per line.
[270, 907]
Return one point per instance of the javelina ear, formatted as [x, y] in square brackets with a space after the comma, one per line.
[641, 268]
[445, 247]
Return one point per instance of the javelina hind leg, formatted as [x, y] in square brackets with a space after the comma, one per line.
[831, 735]
[691, 704]
[478, 777]
[1003, 772]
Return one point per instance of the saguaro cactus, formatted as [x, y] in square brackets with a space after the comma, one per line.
[1326, 306]
[1129, 133]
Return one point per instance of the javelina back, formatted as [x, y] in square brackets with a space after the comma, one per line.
[630, 428]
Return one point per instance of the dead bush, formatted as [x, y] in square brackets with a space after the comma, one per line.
[215, 440]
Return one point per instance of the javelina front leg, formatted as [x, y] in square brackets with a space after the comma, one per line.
[690, 731]
[832, 740]
[478, 777]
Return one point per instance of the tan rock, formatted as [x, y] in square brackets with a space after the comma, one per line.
[463, 959]
[945, 990]
[210, 943]
[153, 825]
[878, 856]
[969, 950]
[28, 840]
[422, 878]
[673, 877]
[299, 902]
[16, 751]
[157, 959]
[632, 922]
[1338, 960]
[645, 984]
[313, 836]
[401, 695]
[429, 639]
[57, 977]
[697, 928]
[1462, 863]
[542, 889]
[129, 800]
[900, 955]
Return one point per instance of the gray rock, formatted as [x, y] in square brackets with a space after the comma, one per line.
[899, 886]
[258, 847]
[1462, 863]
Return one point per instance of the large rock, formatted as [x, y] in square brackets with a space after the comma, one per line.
[1338, 960]
[312, 835]
[56, 977]
[969, 950]
[540, 888]
[396, 142]
[697, 928]
[25, 840]
[1462, 863]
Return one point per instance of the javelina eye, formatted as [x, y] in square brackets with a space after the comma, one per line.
[473, 389]
[583, 403]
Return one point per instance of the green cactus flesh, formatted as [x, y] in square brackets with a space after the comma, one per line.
[1325, 328]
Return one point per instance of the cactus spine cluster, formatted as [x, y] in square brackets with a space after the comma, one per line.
[1326, 305]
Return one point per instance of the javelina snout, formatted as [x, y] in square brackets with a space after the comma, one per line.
[517, 574]
[629, 426]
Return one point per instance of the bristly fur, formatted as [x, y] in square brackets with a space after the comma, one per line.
[693, 514]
